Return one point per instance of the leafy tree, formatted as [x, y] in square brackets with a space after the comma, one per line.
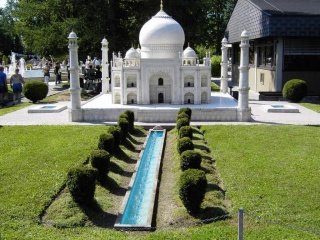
[10, 41]
[45, 24]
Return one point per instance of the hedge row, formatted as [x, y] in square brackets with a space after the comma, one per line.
[81, 181]
[192, 181]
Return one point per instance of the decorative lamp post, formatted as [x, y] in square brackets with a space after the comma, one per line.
[224, 66]
[75, 113]
[244, 112]
[105, 67]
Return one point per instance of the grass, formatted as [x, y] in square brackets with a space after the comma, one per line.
[313, 106]
[271, 171]
[214, 87]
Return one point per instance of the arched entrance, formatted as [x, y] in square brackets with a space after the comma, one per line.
[160, 98]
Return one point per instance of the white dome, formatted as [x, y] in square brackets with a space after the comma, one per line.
[161, 29]
[132, 53]
[189, 53]
[72, 35]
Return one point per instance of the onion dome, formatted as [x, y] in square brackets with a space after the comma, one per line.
[161, 29]
[132, 53]
[189, 53]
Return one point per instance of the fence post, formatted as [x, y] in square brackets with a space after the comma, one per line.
[240, 224]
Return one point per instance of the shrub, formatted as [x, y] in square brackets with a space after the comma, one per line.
[106, 142]
[216, 66]
[29, 66]
[192, 188]
[182, 115]
[81, 184]
[124, 126]
[182, 122]
[116, 132]
[295, 90]
[186, 131]
[190, 159]
[130, 119]
[100, 159]
[184, 144]
[186, 110]
[35, 90]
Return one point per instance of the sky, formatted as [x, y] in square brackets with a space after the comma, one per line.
[2, 3]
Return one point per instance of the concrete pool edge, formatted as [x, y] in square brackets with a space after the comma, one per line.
[148, 226]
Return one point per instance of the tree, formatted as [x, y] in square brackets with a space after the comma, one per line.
[10, 41]
[46, 24]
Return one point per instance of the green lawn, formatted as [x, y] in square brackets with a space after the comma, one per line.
[313, 106]
[271, 171]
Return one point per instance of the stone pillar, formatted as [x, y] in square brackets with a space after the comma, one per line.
[244, 112]
[105, 67]
[75, 113]
[224, 66]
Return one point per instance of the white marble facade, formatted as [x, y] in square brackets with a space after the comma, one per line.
[161, 71]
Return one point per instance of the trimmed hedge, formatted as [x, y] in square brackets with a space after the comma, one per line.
[100, 159]
[182, 115]
[130, 119]
[35, 90]
[186, 131]
[295, 90]
[190, 159]
[192, 189]
[182, 122]
[186, 110]
[106, 142]
[116, 132]
[184, 144]
[124, 126]
[81, 183]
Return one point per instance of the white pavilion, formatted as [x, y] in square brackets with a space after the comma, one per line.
[161, 72]
[159, 79]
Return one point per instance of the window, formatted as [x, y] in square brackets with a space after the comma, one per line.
[160, 82]
[301, 54]
[266, 53]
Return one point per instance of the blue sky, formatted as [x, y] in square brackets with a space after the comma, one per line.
[2, 3]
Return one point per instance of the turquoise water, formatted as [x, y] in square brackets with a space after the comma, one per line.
[139, 201]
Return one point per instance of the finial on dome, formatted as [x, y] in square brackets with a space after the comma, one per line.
[161, 5]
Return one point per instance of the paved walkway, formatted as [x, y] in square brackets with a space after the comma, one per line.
[259, 115]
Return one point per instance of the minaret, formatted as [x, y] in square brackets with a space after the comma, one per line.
[224, 66]
[244, 112]
[105, 67]
[161, 6]
[75, 113]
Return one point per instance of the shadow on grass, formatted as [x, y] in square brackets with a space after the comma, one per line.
[133, 140]
[121, 155]
[97, 216]
[113, 187]
[210, 214]
[115, 168]
[215, 187]
[202, 148]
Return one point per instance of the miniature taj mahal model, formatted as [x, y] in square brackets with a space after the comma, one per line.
[159, 79]
[161, 72]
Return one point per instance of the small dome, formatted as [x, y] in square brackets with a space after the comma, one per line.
[189, 53]
[161, 29]
[104, 41]
[245, 34]
[132, 53]
[72, 35]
